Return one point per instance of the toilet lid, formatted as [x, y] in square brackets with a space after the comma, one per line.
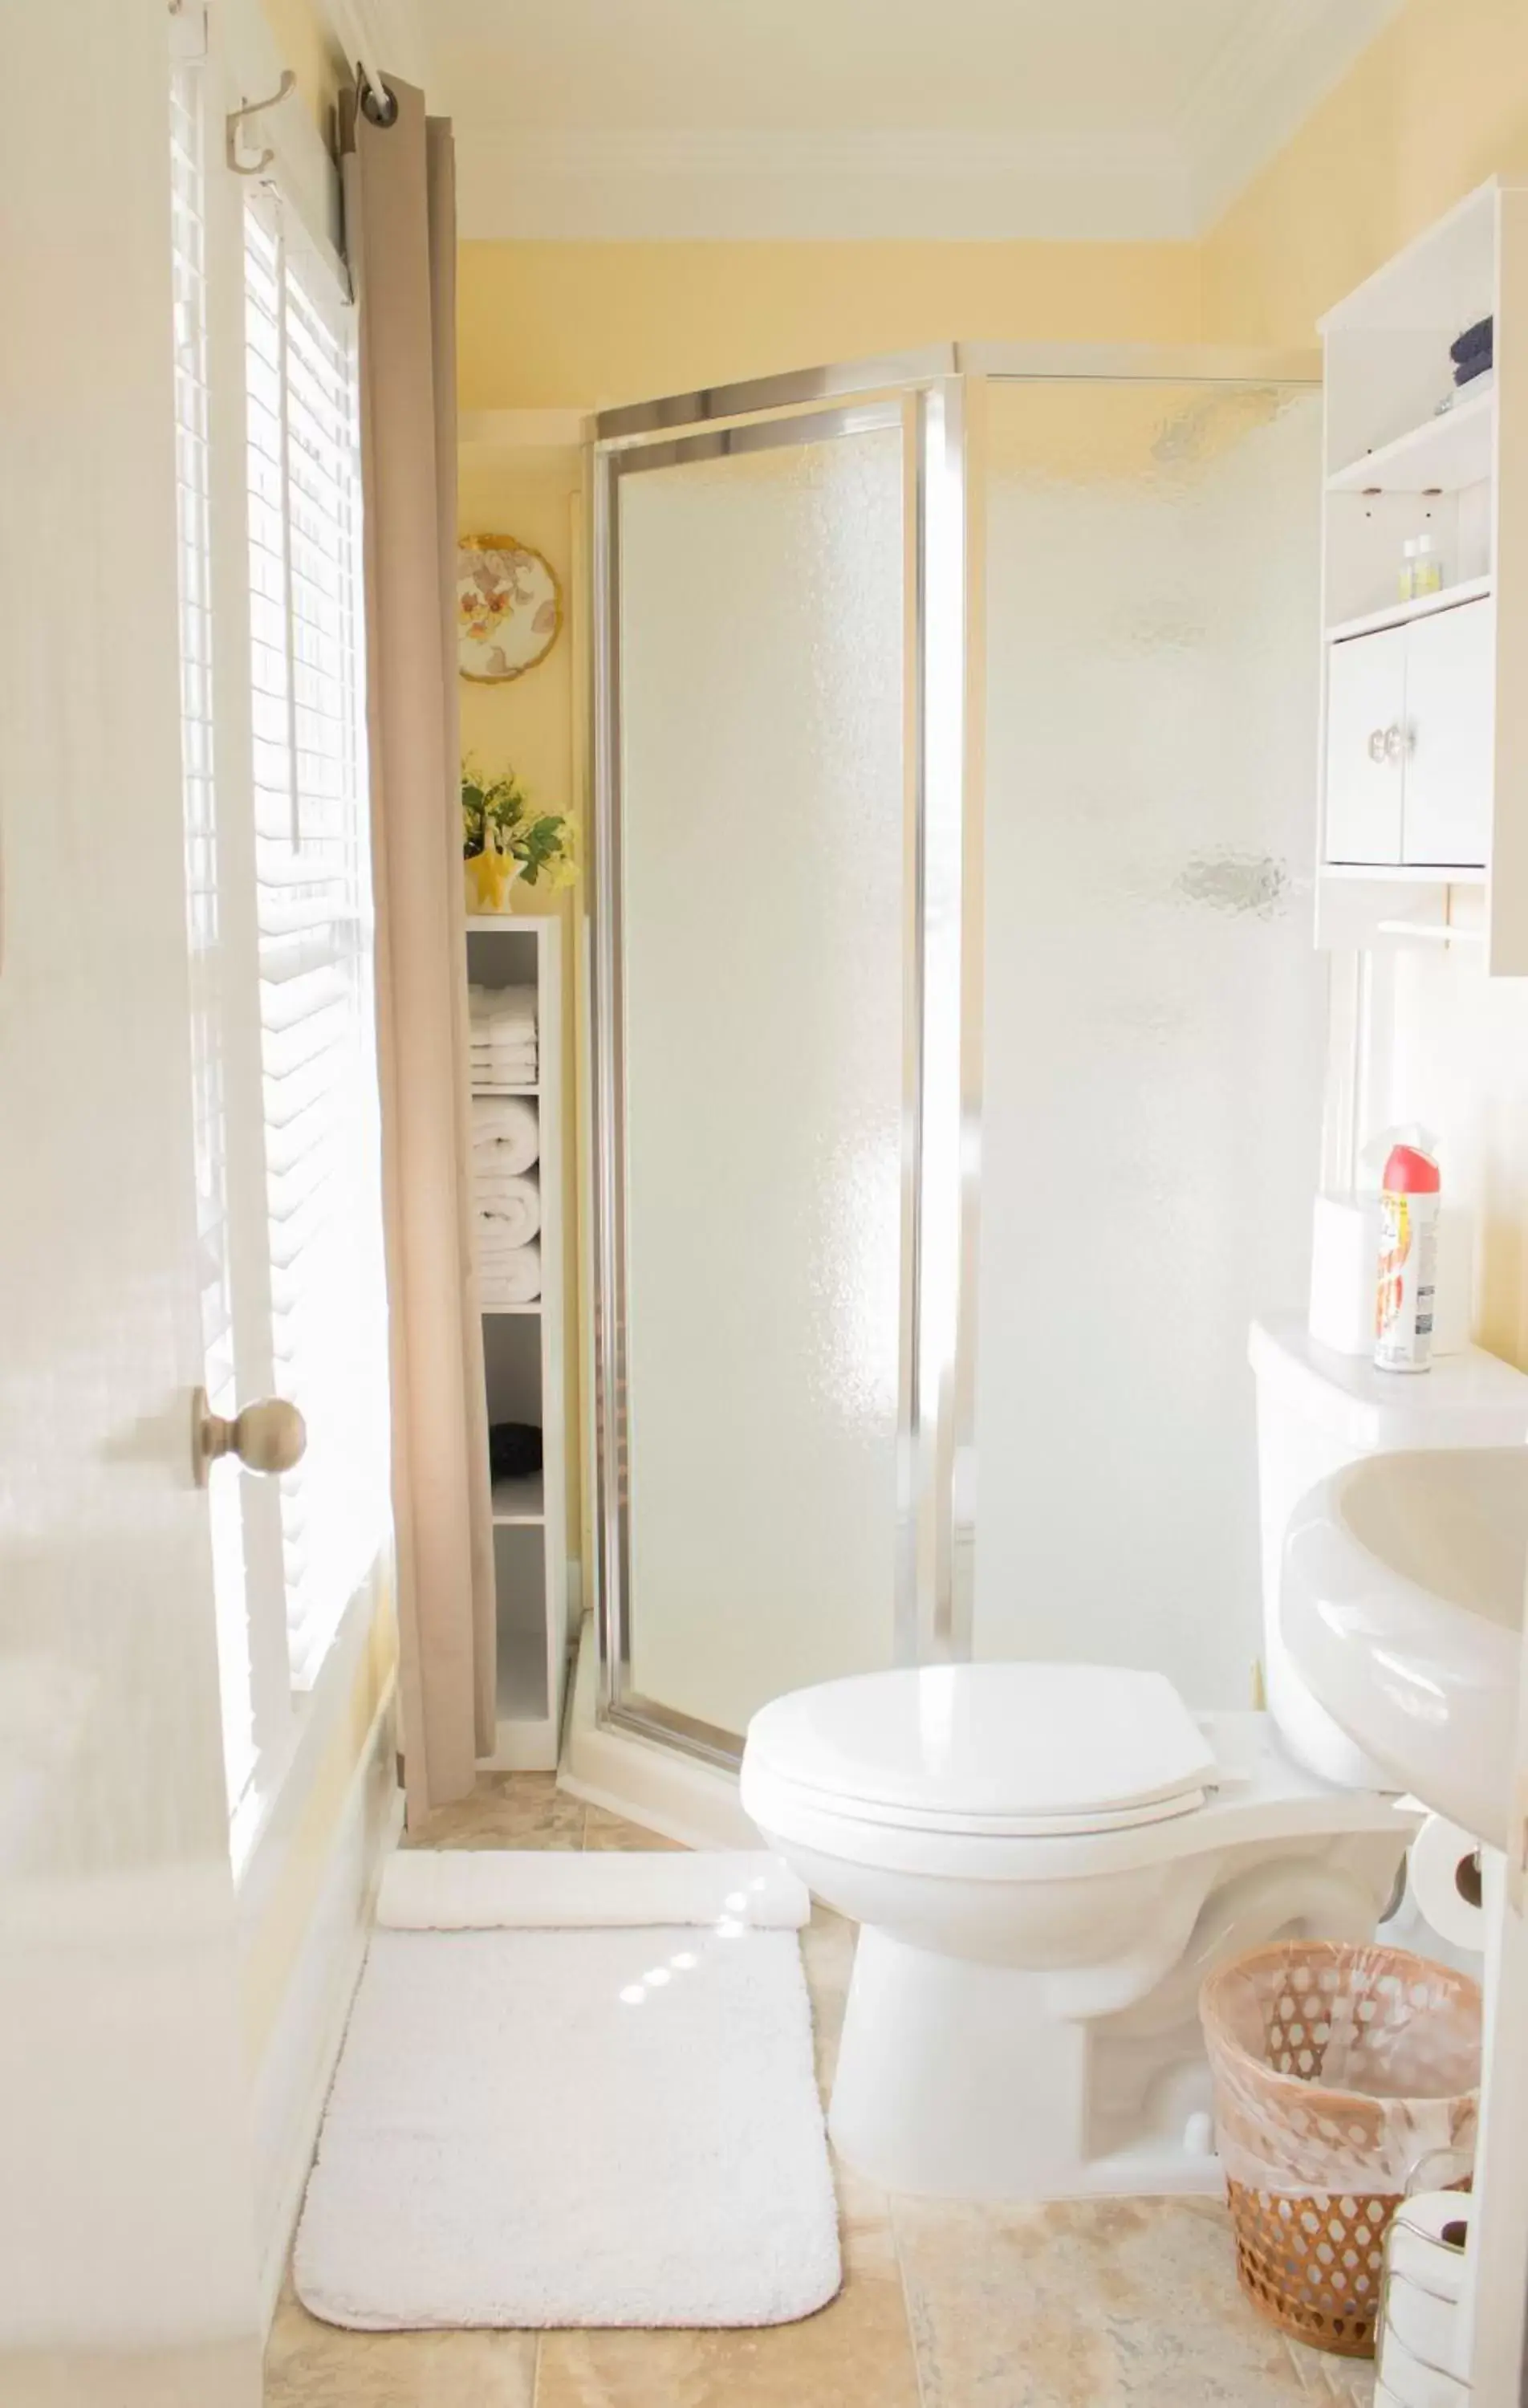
[991, 1747]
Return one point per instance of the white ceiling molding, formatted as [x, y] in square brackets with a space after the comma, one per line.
[540, 184]
[390, 33]
[1288, 56]
[1225, 109]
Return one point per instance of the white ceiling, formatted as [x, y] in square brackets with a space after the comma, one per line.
[1089, 119]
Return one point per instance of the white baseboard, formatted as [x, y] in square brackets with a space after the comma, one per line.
[667, 1791]
[299, 2062]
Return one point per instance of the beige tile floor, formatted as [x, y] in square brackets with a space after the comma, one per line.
[1102, 2304]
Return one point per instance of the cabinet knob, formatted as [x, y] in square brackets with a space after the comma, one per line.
[1377, 744]
[270, 1436]
[1395, 744]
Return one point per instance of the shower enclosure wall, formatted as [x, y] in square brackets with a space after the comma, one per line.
[957, 1029]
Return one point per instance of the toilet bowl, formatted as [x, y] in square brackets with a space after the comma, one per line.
[1045, 1860]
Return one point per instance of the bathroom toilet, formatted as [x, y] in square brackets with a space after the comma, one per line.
[1046, 1859]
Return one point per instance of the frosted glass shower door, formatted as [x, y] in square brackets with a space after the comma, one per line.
[759, 876]
[1154, 1009]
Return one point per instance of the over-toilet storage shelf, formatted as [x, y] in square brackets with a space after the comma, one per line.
[1424, 746]
[524, 1368]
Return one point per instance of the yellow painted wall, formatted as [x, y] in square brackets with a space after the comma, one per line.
[310, 50]
[1434, 106]
[560, 325]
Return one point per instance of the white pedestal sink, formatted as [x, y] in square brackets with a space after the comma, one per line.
[1402, 1606]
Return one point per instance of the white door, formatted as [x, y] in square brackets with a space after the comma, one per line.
[126, 2257]
[1450, 683]
[1365, 745]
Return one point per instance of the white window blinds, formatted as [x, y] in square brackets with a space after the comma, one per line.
[315, 930]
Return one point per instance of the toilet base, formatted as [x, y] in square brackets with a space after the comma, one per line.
[959, 2080]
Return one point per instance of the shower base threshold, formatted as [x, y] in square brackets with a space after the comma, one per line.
[659, 1787]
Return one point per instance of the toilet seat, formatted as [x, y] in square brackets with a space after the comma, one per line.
[1001, 1751]
[1260, 1794]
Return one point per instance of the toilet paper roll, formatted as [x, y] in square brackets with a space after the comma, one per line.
[1437, 1853]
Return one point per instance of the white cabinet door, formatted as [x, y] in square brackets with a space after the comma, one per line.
[1449, 716]
[1365, 718]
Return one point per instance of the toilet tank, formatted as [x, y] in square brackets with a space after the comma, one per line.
[1317, 1411]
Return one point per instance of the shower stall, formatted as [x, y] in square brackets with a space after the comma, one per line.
[958, 1030]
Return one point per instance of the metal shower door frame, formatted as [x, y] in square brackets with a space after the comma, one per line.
[921, 394]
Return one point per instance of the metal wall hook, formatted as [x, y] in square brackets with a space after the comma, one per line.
[241, 116]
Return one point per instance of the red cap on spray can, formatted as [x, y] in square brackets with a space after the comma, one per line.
[1411, 1173]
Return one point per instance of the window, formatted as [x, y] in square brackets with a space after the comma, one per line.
[313, 871]
[279, 920]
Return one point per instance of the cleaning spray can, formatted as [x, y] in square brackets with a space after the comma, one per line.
[1409, 1210]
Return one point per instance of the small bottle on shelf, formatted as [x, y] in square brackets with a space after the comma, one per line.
[1421, 567]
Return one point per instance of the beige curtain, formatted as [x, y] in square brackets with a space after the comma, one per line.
[401, 236]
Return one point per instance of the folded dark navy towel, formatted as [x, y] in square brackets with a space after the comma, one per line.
[1473, 342]
[514, 1450]
[1473, 369]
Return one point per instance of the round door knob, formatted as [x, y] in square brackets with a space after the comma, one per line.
[269, 1436]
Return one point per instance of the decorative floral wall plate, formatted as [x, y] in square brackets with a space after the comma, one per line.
[509, 608]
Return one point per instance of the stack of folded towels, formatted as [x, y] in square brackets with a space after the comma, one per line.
[505, 1199]
[1474, 353]
[503, 1032]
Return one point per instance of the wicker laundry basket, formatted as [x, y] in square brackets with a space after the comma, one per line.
[1344, 2077]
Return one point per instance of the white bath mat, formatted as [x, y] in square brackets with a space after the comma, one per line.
[553, 2127]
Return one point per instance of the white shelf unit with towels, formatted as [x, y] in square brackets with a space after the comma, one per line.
[523, 1355]
[1424, 757]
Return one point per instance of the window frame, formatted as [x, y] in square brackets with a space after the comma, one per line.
[228, 52]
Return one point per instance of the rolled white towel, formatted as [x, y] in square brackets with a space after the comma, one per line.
[504, 1225]
[505, 1133]
[510, 1218]
[489, 1889]
[512, 1278]
[502, 1159]
[502, 1010]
